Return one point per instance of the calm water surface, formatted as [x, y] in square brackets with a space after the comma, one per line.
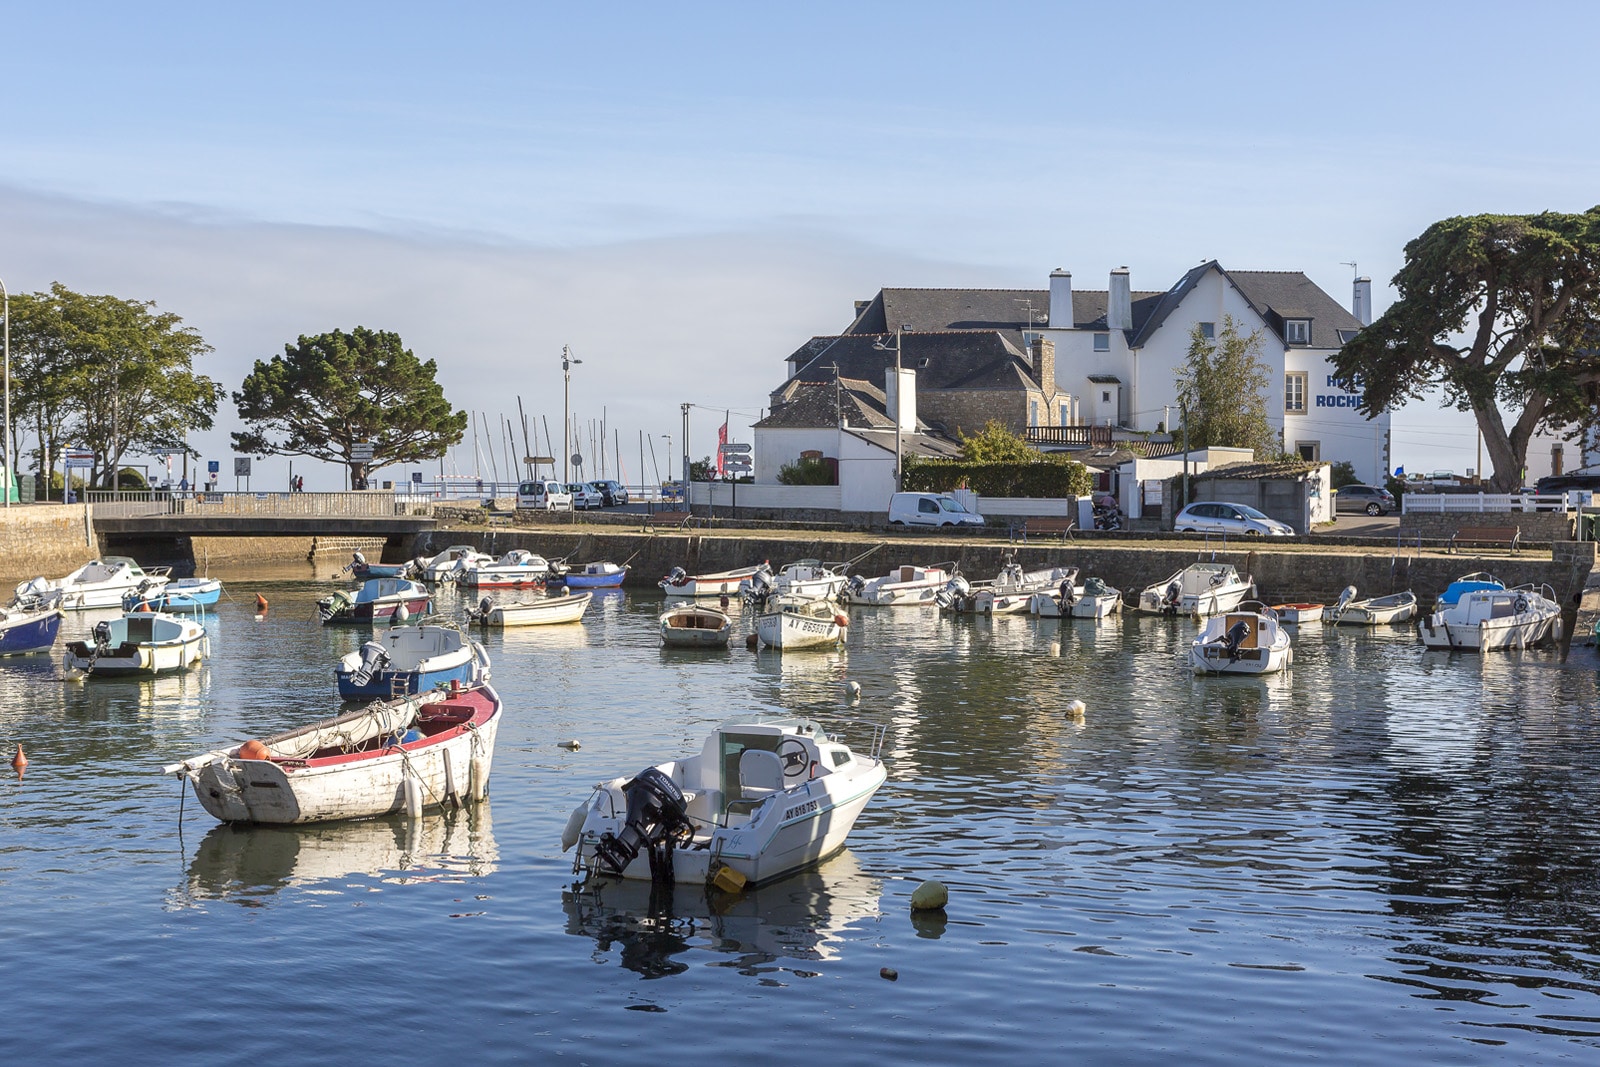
[1385, 855]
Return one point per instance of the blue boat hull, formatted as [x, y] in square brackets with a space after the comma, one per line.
[383, 683]
[363, 571]
[594, 581]
[23, 636]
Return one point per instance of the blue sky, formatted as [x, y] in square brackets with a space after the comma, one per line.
[685, 193]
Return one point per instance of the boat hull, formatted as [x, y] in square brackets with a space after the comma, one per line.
[25, 633]
[724, 583]
[547, 612]
[138, 659]
[596, 581]
[378, 610]
[695, 628]
[783, 629]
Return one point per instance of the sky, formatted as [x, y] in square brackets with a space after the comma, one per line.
[683, 194]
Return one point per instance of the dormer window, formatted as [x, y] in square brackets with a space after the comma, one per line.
[1297, 331]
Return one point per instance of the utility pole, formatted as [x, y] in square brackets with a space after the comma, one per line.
[566, 403]
[1183, 414]
[686, 408]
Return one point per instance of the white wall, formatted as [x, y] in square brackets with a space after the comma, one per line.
[722, 495]
[776, 448]
[866, 472]
[1332, 420]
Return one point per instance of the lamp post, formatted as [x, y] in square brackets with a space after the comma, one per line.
[566, 397]
[899, 400]
[10, 475]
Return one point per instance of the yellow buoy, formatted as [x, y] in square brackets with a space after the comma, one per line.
[929, 896]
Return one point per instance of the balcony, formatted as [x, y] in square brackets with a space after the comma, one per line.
[1070, 436]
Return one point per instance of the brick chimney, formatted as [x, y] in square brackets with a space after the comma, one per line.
[1119, 307]
[1044, 363]
[1061, 299]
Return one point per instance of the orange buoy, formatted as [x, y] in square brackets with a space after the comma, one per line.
[19, 762]
[841, 620]
[144, 605]
[261, 604]
[253, 750]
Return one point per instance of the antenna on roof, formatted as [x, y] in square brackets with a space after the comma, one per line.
[1353, 272]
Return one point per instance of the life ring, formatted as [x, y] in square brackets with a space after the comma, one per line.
[1520, 604]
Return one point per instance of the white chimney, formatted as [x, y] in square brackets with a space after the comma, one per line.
[1119, 308]
[1061, 299]
[1361, 301]
[905, 414]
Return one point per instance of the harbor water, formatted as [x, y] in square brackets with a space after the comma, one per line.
[1383, 855]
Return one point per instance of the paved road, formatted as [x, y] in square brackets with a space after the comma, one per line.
[1356, 525]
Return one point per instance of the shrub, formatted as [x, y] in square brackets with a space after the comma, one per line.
[806, 472]
[1045, 477]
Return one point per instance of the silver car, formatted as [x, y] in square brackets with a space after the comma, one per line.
[1215, 516]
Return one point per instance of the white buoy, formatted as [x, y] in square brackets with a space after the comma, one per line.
[929, 896]
[572, 746]
[401, 614]
[1075, 710]
[574, 828]
[854, 689]
[413, 790]
[1055, 647]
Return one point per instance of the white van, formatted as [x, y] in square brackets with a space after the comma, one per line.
[544, 495]
[930, 509]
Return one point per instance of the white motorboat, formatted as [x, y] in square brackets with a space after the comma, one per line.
[1094, 599]
[410, 659]
[1475, 582]
[1199, 589]
[1247, 640]
[443, 568]
[100, 583]
[546, 611]
[765, 796]
[1011, 591]
[517, 569]
[806, 577]
[695, 626]
[907, 586]
[407, 754]
[140, 642]
[1373, 611]
[1490, 620]
[717, 583]
[801, 622]
[1298, 614]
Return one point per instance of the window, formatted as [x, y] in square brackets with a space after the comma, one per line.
[1033, 413]
[1346, 336]
[1208, 330]
[1297, 331]
[1294, 393]
[1310, 451]
[1105, 396]
[927, 507]
[1066, 414]
[1102, 342]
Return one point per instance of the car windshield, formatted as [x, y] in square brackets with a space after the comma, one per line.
[952, 505]
[1250, 512]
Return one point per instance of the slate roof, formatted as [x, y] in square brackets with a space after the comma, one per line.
[1288, 468]
[1276, 295]
[950, 359]
[911, 444]
[928, 310]
[808, 405]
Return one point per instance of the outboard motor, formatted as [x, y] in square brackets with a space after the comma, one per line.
[359, 560]
[655, 819]
[755, 589]
[1069, 596]
[102, 638]
[677, 576]
[856, 584]
[1170, 599]
[374, 657]
[1234, 638]
[955, 589]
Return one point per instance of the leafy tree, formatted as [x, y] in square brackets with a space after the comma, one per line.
[806, 472]
[1523, 294]
[109, 374]
[1343, 473]
[996, 443]
[328, 393]
[702, 470]
[1223, 384]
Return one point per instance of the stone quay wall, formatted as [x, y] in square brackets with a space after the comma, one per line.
[1542, 526]
[50, 539]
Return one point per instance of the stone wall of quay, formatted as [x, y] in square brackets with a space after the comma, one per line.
[48, 539]
[1281, 575]
[1541, 526]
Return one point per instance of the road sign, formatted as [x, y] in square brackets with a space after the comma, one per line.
[736, 464]
[213, 466]
[78, 457]
[577, 459]
[361, 451]
[734, 448]
[535, 460]
[416, 476]
[241, 466]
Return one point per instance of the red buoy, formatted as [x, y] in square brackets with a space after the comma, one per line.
[261, 604]
[19, 762]
[253, 750]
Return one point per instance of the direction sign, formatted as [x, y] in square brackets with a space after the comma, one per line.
[536, 460]
[735, 464]
[734, 448]
[361, 451]
[241, 466]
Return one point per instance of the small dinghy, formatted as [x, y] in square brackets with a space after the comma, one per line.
[27, 626]
[138, 643]
[801, 622]
[96, 584]
[409, 754]
[411, 659]
[1298, 614]
[185, 594]
[1094, 599]
[378, 600]
[1489, 620]
[517, 569]
[546, 611]
[1375, 611]
[1198, 589]
[601, 574]
[715, 584]
[1247, 640]
[907, 586]
[764, 797]
[694, 626]
[1011, 591]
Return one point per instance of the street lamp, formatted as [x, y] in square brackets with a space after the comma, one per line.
[566, 396]
[899, 399]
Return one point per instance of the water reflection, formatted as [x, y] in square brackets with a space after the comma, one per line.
[655, 931]
[247, 865]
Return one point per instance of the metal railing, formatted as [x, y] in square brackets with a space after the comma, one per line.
[373, 503]
[1440, 503]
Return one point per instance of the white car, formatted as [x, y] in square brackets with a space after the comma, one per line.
[544, 495]
[585, 496]
[1216, 516]
[929, 509]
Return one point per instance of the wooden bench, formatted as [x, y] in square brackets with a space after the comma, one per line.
[668, 518]
[1060, 525]
[491, 517]
[1510, 536]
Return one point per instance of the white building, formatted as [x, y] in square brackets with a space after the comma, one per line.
[1118, 353]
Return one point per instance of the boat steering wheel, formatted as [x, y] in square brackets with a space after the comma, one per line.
[795, 758]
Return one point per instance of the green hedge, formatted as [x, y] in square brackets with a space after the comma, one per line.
[1045, 478]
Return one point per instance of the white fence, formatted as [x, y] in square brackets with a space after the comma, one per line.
[722, 495]
[1440, 503]
[374, 503]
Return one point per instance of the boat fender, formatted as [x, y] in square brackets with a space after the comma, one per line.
[841, 621]
[413, 794]
[574, 828]
[479, 786]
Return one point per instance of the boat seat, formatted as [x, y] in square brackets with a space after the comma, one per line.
[760, 776]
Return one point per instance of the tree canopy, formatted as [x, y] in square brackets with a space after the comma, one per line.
[328, 393]
[1498, 312]
[996, 443]
[100, 372]
[1223, 385]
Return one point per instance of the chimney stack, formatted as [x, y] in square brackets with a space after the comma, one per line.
[1361, 301]
[1061, 299]
[1119, 308]
[1044, 363]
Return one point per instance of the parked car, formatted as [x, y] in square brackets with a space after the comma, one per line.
[1372, 499]
[544, 495]
[613, 492]
[584, 495]
[1215, 516]
[929, 509]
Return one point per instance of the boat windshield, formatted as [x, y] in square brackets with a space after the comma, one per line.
[952, 505]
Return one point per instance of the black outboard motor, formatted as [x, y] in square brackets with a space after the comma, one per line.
[655, 819]
[102, 638]
[1234, 638]
[374, 657]
[1174, 594]
[678, 576]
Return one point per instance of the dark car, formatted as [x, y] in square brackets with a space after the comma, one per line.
[612, 492]
[1372, 499]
